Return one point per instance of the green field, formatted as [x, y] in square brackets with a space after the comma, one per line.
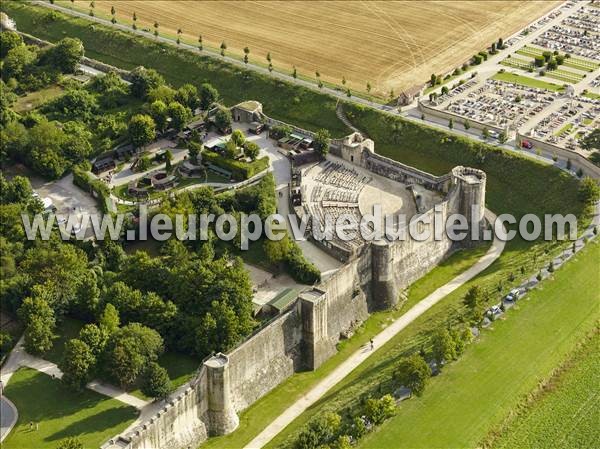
[564, 413]
[475, 393]
[527, 81]
[61, 413]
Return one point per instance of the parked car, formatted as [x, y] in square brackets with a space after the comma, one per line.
[495, 310]
[527, 144]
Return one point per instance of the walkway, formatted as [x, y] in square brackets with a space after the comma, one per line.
[19, 357]
[379, 340]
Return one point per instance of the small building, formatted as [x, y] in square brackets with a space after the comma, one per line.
[125, 151]
[103, 165]
[409, 95]
[281, 302]
[248, 111]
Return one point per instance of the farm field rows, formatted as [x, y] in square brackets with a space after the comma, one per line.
[567, 416]
[388, 44]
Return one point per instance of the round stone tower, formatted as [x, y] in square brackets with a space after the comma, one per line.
[221, 415]
[471, 183]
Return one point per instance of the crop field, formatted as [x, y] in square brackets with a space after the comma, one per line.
[567, 415]
[391, 45]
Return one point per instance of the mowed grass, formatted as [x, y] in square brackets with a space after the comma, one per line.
[389, 44]
[474, 394]
[527, 81]
[32, 100]
[566, 416]
[61, 413]
[262, 412]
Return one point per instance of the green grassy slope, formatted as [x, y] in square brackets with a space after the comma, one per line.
[60, 413]
[475, 393]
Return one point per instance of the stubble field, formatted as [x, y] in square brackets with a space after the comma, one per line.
[391, 45]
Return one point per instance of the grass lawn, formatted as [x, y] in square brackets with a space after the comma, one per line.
[564, 130]
[592, 95]
[565, 414]
[33, 100]
[61, 413]
[474, 394]
[262, 412]
[527, 81]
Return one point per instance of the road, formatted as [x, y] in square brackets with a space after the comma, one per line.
[8, 417]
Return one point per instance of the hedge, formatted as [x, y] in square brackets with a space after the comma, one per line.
[84, 181]
[240, 170]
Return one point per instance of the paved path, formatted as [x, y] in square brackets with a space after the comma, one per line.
[19, 357]
[8, 417]
[379, 340]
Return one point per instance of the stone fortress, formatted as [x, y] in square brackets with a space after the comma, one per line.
[305, 333]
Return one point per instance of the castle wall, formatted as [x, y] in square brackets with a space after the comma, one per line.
[181, 423]
[265, 360]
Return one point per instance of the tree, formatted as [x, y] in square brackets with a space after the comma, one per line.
[156, 25]
[378, 410]
[246, 53]
[200, 46]
[433, 80]
[591, 141]
[444, 90]
[343, 80]
[187, 95]
[231, 150]
[39, 335]
[413, 372]
[295, 73]
[70, 443]
[500, 43]
[466, 124]
[179, 32]
[270, 67]
[503, 137]
[129, 351]
[251, 150]
[269, 57]
[77, 364]
[109, 320]
[368, 87]
[143, 81]
[238, 137]
[142, 130]
[16, 61]
[160, 114]
[8, 41]
[321, 141]
[65, 55]
[95, 337]
[589, 191]
[156, 383]
[223, 119]
[474, 300]
[485, 134]
[208, 95]
[450, 124]
[92, 6]
[223, 48]
[444, 348]
[180, 115]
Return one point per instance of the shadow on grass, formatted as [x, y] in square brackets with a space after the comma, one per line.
[106, 419]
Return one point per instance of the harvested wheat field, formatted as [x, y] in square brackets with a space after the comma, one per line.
[388, 44]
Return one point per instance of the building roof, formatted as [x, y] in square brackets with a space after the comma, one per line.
[283, 299]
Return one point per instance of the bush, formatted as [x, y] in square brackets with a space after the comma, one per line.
[240, 170]
[82, 180]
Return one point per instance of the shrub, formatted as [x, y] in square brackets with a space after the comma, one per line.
[240, 170]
